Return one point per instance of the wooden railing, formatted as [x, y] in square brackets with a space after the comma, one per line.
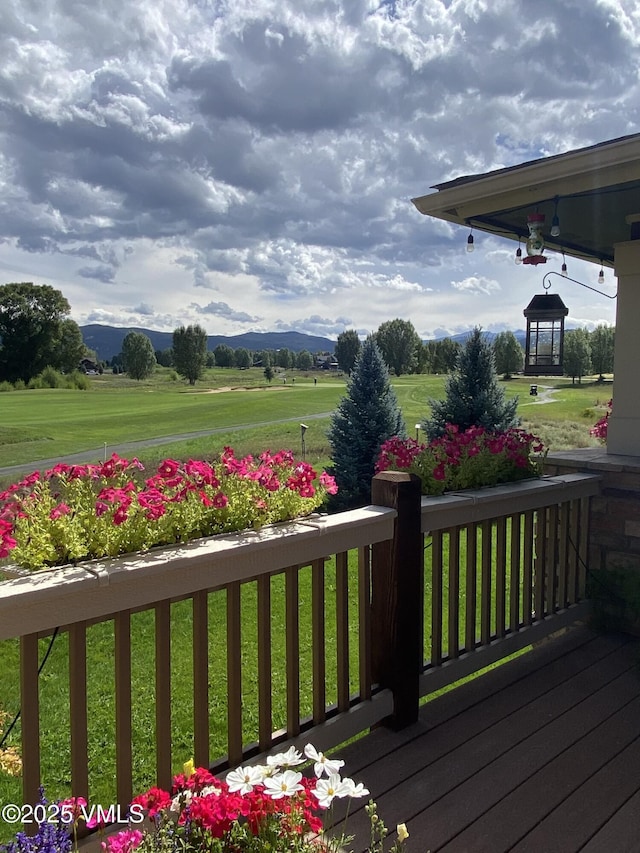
[366, 610]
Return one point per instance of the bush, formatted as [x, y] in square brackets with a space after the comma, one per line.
[6, 386]
[78, 380]
[36, 384]
[19, 385]
[50, 378]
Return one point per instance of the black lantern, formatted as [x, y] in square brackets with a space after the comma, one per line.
[545, 335]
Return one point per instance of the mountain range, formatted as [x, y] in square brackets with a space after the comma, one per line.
[106, 341]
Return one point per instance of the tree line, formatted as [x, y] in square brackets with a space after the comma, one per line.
[36, 332]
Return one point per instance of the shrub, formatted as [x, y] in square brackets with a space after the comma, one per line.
[19, 385]
[50, 378]
[78, 379]
[6, 386]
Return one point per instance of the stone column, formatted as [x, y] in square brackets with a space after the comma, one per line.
[624, 424]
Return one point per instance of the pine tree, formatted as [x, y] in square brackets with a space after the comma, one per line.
[473, 396]
[365, 418]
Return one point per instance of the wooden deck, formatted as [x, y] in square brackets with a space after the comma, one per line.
[541, 754]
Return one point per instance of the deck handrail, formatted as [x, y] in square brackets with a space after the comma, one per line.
[42, 601]
[514, 553]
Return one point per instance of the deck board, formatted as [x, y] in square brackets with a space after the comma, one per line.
[500, 763]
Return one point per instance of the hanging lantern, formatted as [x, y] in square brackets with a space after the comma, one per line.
[535, 242]
[545, 335]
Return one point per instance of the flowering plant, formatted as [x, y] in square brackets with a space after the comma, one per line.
[78, 512]
[271, 808]
[465, 460]
[601, 428]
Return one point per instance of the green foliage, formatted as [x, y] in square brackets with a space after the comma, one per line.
[6, 386]
[304, 360]
[399, 344]
[32, 319]
[138, 356]
[472, 394]
[223, 355]
[268, 373]
[443, 355]
[242, 358]
[51, 378]
[364, 419]
[347, 349]
[190, 352]
[69, 348]
[602, 343]
[164, 357]
[576, 354]
[285, 358]
[508, 354]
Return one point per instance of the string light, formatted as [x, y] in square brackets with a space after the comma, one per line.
[564, 265]
[555, 222]
[601, 274]
[470, 245]
[519, 253]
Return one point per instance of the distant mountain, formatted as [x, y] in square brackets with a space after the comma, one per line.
[107, 340]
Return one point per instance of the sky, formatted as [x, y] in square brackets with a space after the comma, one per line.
[249, 165]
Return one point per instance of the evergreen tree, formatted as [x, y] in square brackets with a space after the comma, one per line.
[365, 418]
[472, 394]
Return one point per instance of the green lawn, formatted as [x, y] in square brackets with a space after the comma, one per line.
[45, 424]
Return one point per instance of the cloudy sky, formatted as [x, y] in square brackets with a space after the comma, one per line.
[248, 165]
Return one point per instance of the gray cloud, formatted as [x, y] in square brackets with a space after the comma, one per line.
[221, 309]
[277, 145]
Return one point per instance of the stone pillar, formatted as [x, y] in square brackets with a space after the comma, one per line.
[624, 424]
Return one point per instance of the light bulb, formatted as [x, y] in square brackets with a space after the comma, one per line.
[518, 255]
[470, 246]
[564, 268]
[601, 276]
[555, 226]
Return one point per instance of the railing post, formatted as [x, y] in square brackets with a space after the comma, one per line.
[397, 594]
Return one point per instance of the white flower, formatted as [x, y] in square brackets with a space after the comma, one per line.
[322, 763]
[244, 779]
[181, 800]
[352, 790]
[210, 789]
[327, 789]
[402, 831]
[283, 784]
[285, 759]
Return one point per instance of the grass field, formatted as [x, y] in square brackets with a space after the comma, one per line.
[251, 416]
[245, 412]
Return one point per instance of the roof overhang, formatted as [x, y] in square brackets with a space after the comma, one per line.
[597, 190]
